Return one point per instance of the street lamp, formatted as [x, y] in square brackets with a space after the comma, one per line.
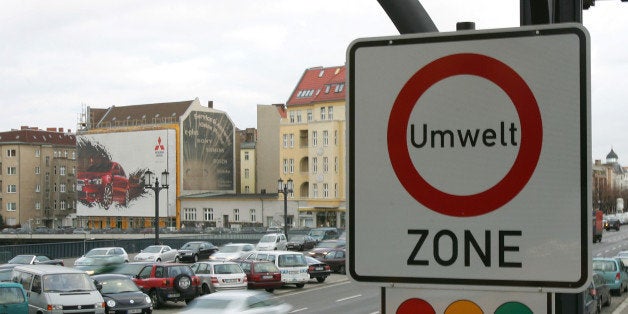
[285, 189]
[149, 184]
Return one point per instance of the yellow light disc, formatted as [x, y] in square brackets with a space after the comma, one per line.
[463, 307]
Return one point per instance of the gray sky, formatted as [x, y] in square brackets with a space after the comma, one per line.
[58, 56]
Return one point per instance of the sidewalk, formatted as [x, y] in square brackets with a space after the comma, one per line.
[622, 308]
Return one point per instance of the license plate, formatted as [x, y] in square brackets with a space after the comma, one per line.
[229, 280]
[267, 277]
[173, 295]
[319, 268]
[134, 311]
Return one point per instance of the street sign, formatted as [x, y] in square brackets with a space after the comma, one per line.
[469, 158]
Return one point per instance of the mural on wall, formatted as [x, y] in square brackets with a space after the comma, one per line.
[208, 152]
[111, 167]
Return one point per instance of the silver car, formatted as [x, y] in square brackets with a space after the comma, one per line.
[217, 276]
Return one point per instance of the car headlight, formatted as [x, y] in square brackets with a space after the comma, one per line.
[111, 303]
[147, 299]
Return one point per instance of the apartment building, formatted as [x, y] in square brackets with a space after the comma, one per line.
[312, 147]
[37, 177]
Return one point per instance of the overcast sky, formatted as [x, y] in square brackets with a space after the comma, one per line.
[59, 56]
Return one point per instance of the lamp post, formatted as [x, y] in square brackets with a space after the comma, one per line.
[149, 184]
[285, 189]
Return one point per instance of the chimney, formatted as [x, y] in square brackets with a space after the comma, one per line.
[210, 104]
[51, 129]
[60, 130]
[24, 127]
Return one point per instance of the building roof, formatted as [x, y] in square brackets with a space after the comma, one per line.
[168, 112]
[612, 155]
[36, 136]
[319, 84]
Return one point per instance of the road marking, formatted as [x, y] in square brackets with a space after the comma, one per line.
[343, 282]
[299, 310]
[349, 298]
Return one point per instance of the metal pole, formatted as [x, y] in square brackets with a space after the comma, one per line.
[285, 210]
[156, 189]
[409, 16]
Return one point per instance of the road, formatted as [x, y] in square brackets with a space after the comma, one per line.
[613, 242]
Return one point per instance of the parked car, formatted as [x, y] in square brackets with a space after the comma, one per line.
[245, 302]
[292, 265]
[602, 289]
[168, 282]
[28, 259]
[325, 233]
[13, 298]
[623, 255]
[129, 269]
[592, 303]
[261, 274]
[323, 247]
[613, 223]
[99, 257]
[157, 253]
[232, 251]
[614, 272]
[80, 231]
[336, 259]
[300, 242]
[103, 183]
[196, 250]
[5, 274]
[220, 275]
[317, 269]
[42, 230]
[271, 242]
[121, 295]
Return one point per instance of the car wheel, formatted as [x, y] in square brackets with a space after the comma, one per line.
[176, 259]
[154, 297]
[342, 270]
[126, 198]
[320, 279]
[270, 290]
[107, 195]
[182, 283]
[300, 285]
[205, 289]
[608, 301]
[158, 260]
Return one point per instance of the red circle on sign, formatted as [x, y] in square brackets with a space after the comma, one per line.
[531, 135]
[414, 305]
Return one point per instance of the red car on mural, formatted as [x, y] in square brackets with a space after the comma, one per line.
[103, 183]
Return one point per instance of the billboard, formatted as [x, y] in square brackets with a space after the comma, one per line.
[208, 152]
[110, 169]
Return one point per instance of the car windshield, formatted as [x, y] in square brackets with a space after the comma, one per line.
[209, 304]
[268, 238]
[11, 295]
[604, 266]
[5, 274]
[178, 270]
[328, 244]
[266, 268]
[127, 269]
[230, 249]
[297, 238]
[227, 269]
[67, 283]
[190, 246]
[21, 259]
[291, 260]
[118, 285]
[97, 252]
[152, 249]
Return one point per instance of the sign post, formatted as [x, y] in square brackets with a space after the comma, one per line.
[469, 159]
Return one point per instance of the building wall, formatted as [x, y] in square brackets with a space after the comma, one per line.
[247, 165]
[267, 152]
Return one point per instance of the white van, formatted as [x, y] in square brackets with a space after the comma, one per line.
[272, 242]
[58, 289]
[292, 265]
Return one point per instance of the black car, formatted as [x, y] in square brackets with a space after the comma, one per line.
[196, 250]
[121, 295]
[317, 269]
[613, 223]
[301, 242]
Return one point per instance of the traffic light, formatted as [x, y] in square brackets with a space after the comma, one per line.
[416, 305]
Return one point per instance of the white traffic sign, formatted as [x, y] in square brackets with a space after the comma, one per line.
[469, 158]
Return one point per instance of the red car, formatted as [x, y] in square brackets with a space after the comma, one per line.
[103, 183]
[261, 274]
[168, 282]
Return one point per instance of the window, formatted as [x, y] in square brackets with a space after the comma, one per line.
[336, 164]
[330, 113]
[47, 161]
[62, 170]
[73, 155]
[246, 173]
[62, 205]
[37, 205]
[11, 188]
[325, 164]
[37, 188]
[11, 170]
[37, 153]
[252, 212]
[291, 165]
[291, 140]
[11, 207]
[285, 165]
[336, 137]
[298, 116]
[314, 190]
[62, 187]
[236, 214]
[335, 189]
[325, 138]
[37, 170]
[208, 214]
[246, 155]
[189, 214]
[323, 113]
[325, 190]
[11, 153]
[314, 164]
[247, 189]
[291, 116]
[285, 141]
[310, 115]
[314, 138]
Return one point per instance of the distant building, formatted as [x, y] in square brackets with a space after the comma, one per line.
[37, 177]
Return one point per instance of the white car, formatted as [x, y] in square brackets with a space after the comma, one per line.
[157, 253]
[232, 251]
[102, 256]
[272, 242]
[240, 301]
